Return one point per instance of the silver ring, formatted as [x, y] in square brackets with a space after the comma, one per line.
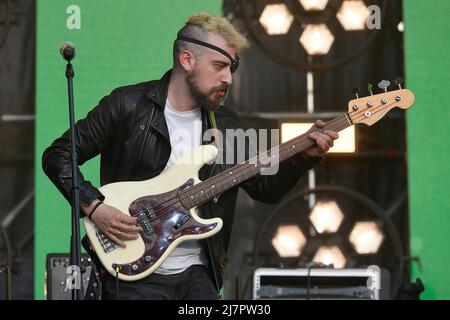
[120, 233]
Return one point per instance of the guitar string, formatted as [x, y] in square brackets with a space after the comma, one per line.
[238, 169]
[244, 166]
[285, 147]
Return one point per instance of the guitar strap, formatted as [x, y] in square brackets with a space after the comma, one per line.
[215, 131]
[212, 119]
[217, 138]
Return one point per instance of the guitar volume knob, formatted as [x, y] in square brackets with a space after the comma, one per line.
[135, 267]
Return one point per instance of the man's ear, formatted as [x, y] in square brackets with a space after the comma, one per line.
[187, 60]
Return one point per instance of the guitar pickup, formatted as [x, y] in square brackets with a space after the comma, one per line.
[146, 228]
[106, 243]
[144, 220]
[181, 222]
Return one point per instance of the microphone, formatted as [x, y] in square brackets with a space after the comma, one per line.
[67, 50]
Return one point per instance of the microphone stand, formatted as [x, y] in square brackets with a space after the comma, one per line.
[75, 248]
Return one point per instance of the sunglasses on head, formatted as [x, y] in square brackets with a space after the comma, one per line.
[234, 62]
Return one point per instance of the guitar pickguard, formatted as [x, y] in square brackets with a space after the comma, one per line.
[164, 220]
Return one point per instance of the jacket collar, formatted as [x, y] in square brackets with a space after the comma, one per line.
[158, 93]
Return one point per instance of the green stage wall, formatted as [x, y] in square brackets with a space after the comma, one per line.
[118, 42]
[121, 42]
[427, 50]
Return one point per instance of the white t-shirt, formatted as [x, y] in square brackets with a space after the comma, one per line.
[185, 132]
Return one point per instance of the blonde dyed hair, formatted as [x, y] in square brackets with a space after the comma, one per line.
[199, 26]
[220, 25]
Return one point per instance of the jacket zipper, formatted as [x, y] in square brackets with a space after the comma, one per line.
[211, 257]
[145, 139]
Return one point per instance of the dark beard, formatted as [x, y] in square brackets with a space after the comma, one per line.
[203, 98]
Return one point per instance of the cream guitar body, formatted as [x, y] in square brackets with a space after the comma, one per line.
[158, 205]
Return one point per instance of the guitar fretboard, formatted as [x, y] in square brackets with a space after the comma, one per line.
[216, 185]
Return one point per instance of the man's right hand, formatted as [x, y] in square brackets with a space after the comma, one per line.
[116, 225]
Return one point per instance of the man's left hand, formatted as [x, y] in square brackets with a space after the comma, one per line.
[324, 140]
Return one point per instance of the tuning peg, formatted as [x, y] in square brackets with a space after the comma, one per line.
[356, 91]
[399, 81]
[370, 88]
[384, 84]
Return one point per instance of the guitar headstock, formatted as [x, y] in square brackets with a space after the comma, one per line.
[370, 109]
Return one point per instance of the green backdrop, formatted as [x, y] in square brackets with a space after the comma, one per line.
[427, 69]
[118, 42]
[121, 42]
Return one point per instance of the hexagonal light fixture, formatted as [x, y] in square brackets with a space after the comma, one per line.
[316, 39]
[353, 15]
[276, 19]
[366, 237]
[330, 255]
[311, 5]
[289, 241]
[326, 216]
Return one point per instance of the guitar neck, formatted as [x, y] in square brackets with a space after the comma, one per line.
[214, 186]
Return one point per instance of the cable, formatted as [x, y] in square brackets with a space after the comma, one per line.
[308, 287]
[244, 290]
[9, 250]
[310, 266]
[117, 281]
[7, 23]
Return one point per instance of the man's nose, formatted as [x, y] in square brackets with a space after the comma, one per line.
[227, 77]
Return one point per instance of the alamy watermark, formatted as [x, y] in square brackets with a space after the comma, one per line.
[73, 281]
[374, 20]
[258, 147]
[73, 21]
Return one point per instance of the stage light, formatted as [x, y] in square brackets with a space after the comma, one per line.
[330, 255]
[310, 5]
[332, 248]
[291, 130]
[316, 39]
[353, 15]
[326, 216]
[366, 237]
[289, 241]
[345, 143]
[276, 19]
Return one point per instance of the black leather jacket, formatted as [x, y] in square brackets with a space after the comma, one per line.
[128, 129]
